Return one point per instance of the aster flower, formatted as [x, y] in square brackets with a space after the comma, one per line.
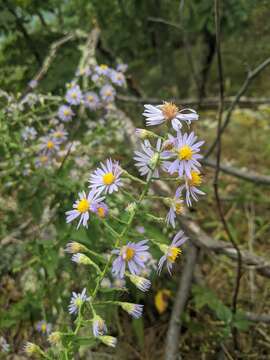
[171, 252]
[76, 301]
[176, 207]
[186, 149]
[122, 67]
[190, 186]
[150, 159]
[156, 115]
[33, 84]
[99, 326]
[91, 100]
[74, 95]
[140, 282]
[107, 177]
[29, 133]
[107, 93]
[108, 340]
[95, 78]
[133, 255]
[42, 161]
[83, 206]
[48, 145]
[44, 327]
[117, 78]
[135, 310]
[65, 113]
[102, 210]
[102, 69]
[59, 134]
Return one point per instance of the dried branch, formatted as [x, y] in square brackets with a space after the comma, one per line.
[49, 59]
[208, 103]
[180, 300]
[217, 170]
[248, 175]
[250, 77]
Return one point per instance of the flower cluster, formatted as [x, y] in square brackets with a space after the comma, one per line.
[172, 157]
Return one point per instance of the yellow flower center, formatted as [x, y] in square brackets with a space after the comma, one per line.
[185, 153]
[108, 178]
[78, 302]
[173, 254]
[58, 134]
[90, 98]
[50, 144]
[196, 178]
[103, 66]
[108, 93]
[74, 95]
[179, 208]
[101, 212]
[129, 253]
[43, 327]
[66, 111]
[169, 110]
[83, 205]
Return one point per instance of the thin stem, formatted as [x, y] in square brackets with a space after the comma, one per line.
[217, 171]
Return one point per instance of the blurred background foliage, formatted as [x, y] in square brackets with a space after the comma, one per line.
[169, 46]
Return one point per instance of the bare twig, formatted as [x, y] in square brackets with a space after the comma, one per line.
[208, 103]
[49, 59]
[250, 77]
[247, 175]
[217, 171]
[180, 300]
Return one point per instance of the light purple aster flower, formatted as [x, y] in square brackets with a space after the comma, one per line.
[151, 159]
[107, 177]
[95, 78]
[135, 310]
[76, 301]
[190, 186]
[107, 93]
[102, 69]
[59, 134]
[156, 115]
[140, 229]
[74, 95]
[43, 161]
[176, 207]
[44, 327]
[122, 67]
[83, 206]
[29, 133]
[140, 282]
[186, 150]
[171, 252]
[48, 145]
[102, 210]
[33, 84]
[117, 78]
[99, 326]
[133, 255]
[91, 100]
[65, 113]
